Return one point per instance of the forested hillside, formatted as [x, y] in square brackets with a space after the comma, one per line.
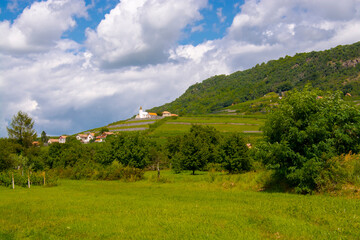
[334, 69]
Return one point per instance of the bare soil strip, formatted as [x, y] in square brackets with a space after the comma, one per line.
[129, 129]
[131, 124]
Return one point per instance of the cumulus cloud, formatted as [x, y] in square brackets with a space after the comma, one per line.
[133, 57]
[64, 94]
[292, 22]
[141, 32]
[40, 26]
[285, 27]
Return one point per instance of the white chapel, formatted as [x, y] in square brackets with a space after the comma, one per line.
[142, 114]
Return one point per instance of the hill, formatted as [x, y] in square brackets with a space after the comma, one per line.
[334, 69]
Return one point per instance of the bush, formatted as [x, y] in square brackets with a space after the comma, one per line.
[339, 170]
[307, 129]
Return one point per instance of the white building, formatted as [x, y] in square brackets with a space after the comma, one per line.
[62, 139]
[85, 138]
[142, 114]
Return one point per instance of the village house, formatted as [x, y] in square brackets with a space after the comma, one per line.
[85, 138]
[52, 140]
[102, 137]
[153, 116]
[62, 139]
[166, 114]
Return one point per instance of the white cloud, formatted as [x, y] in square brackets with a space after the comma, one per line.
[70, 91]
[198, 28]
[40, 26]
[220, 15]
[290, 22]
[65, 94]
[141, 32]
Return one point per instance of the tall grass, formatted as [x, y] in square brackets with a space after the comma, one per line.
[182, 207]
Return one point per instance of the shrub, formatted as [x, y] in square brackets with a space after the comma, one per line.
[307, 129]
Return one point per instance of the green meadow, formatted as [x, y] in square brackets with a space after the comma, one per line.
[181, 125]
[179, 206]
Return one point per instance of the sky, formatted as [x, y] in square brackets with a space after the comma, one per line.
[74, 65]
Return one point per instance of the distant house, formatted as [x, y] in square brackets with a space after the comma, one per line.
[85, 138]
[52, 140]
[36, 143]
[62, 139]
[102, 137]
[166, 114]
[153, 115]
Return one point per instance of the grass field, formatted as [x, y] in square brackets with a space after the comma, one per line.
[203, 206]
[182, 125]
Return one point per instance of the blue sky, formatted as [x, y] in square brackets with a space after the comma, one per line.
[74, 65]
[217, 17]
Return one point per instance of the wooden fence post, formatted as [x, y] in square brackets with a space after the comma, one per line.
[13, 182]
[29, 179]
[158, 169]
[44, 179]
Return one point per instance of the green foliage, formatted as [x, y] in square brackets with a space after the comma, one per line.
[339, 171]
[21, 129]
[21, 178]
[305, 131]
[194, 150]
[44, 138]
[204, 147]
[235, 154]
[131, 149]
[8, 148]
[103, 129]
[334, 69]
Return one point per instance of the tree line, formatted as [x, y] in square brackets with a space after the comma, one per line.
[311, 142]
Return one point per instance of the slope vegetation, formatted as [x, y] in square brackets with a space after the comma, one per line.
[334, 69]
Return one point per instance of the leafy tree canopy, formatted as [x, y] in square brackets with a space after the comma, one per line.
[308, 128]
[21, 129]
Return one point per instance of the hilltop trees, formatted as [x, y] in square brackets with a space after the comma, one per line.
[21, 129]
[307, 129]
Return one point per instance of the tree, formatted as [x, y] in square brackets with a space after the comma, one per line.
[103, 129]
[195, 149]
[235, 154]
[21, 129]
[8, 150]
[44, 137]
[308, 128]
[131, 149]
